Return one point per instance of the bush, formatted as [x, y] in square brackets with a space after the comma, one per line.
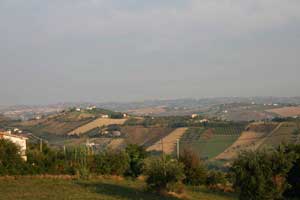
[194, 170]
[293, 177]
[49, 161]
[163, 173]
[111, 162]
[136, 154]
[261, 175]
[214, 179]
[11, 162]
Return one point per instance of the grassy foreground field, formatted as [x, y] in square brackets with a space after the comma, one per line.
[100, 189]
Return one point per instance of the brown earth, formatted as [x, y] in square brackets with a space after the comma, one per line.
[249, 140]
[169, 142]
[96, 123]
[144, 136]
[148, 110]
[286, 111]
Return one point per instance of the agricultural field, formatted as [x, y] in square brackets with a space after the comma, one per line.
[145, 136]
[95, 124]
[287, 132]
[96, 189]
[148, 111]
[55, 127]
[286, 111]
[169, 141]
[211, 141]
[251, 139]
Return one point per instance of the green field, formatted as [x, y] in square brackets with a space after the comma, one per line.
[284, 134]
[210, 142]
[98, 189]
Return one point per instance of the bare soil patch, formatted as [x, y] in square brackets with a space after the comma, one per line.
[286, 111]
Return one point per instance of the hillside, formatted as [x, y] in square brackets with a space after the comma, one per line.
[251, 139]
[169, 141]
[97, 123]
[211, 141]
[286, 111]
[57, 127]
[287, 132]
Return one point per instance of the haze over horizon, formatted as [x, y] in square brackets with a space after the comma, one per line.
[128, 50]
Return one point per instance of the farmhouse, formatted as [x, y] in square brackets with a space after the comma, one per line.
[204, 121]
[104, 116]
[194, 116]
[91, 107]
[18, 140]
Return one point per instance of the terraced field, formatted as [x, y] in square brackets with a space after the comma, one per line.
[210, 142]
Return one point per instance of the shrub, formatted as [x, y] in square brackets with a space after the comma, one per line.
[163, 173]
[136, 154]
[214, 179]
[293, 177]
[261, 175]
[11, 162]
[48, 161]
[194, 170]
[111, 162]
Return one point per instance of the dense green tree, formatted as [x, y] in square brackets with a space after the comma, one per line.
[194, 170]
[261, 175]
[293, 177]
[11, 162]
[111, 162]
[163, 173]
[136, 154]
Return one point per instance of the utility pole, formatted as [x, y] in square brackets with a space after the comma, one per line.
[162, 145]
[64, 150]
[41, 141]
[163, 156]
[177, 145]
[41, 145]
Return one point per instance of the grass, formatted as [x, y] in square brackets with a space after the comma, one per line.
[209, 143]
[284, 134]
[98, 189]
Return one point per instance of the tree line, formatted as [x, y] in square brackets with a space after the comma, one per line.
[260, 175]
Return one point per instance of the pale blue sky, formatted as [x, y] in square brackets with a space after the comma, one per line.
[122, 50]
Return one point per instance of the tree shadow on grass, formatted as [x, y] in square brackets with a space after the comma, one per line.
[119, 191]
[205, 190]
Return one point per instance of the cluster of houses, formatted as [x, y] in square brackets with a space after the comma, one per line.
[194, 116]
[87, 108]
[19, 140]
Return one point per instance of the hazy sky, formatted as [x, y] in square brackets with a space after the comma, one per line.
[121, 50]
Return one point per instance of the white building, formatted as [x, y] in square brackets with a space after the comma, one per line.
[204, 121]
[91, 108]
[104, 116]
[18, 140]
[194, 116]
